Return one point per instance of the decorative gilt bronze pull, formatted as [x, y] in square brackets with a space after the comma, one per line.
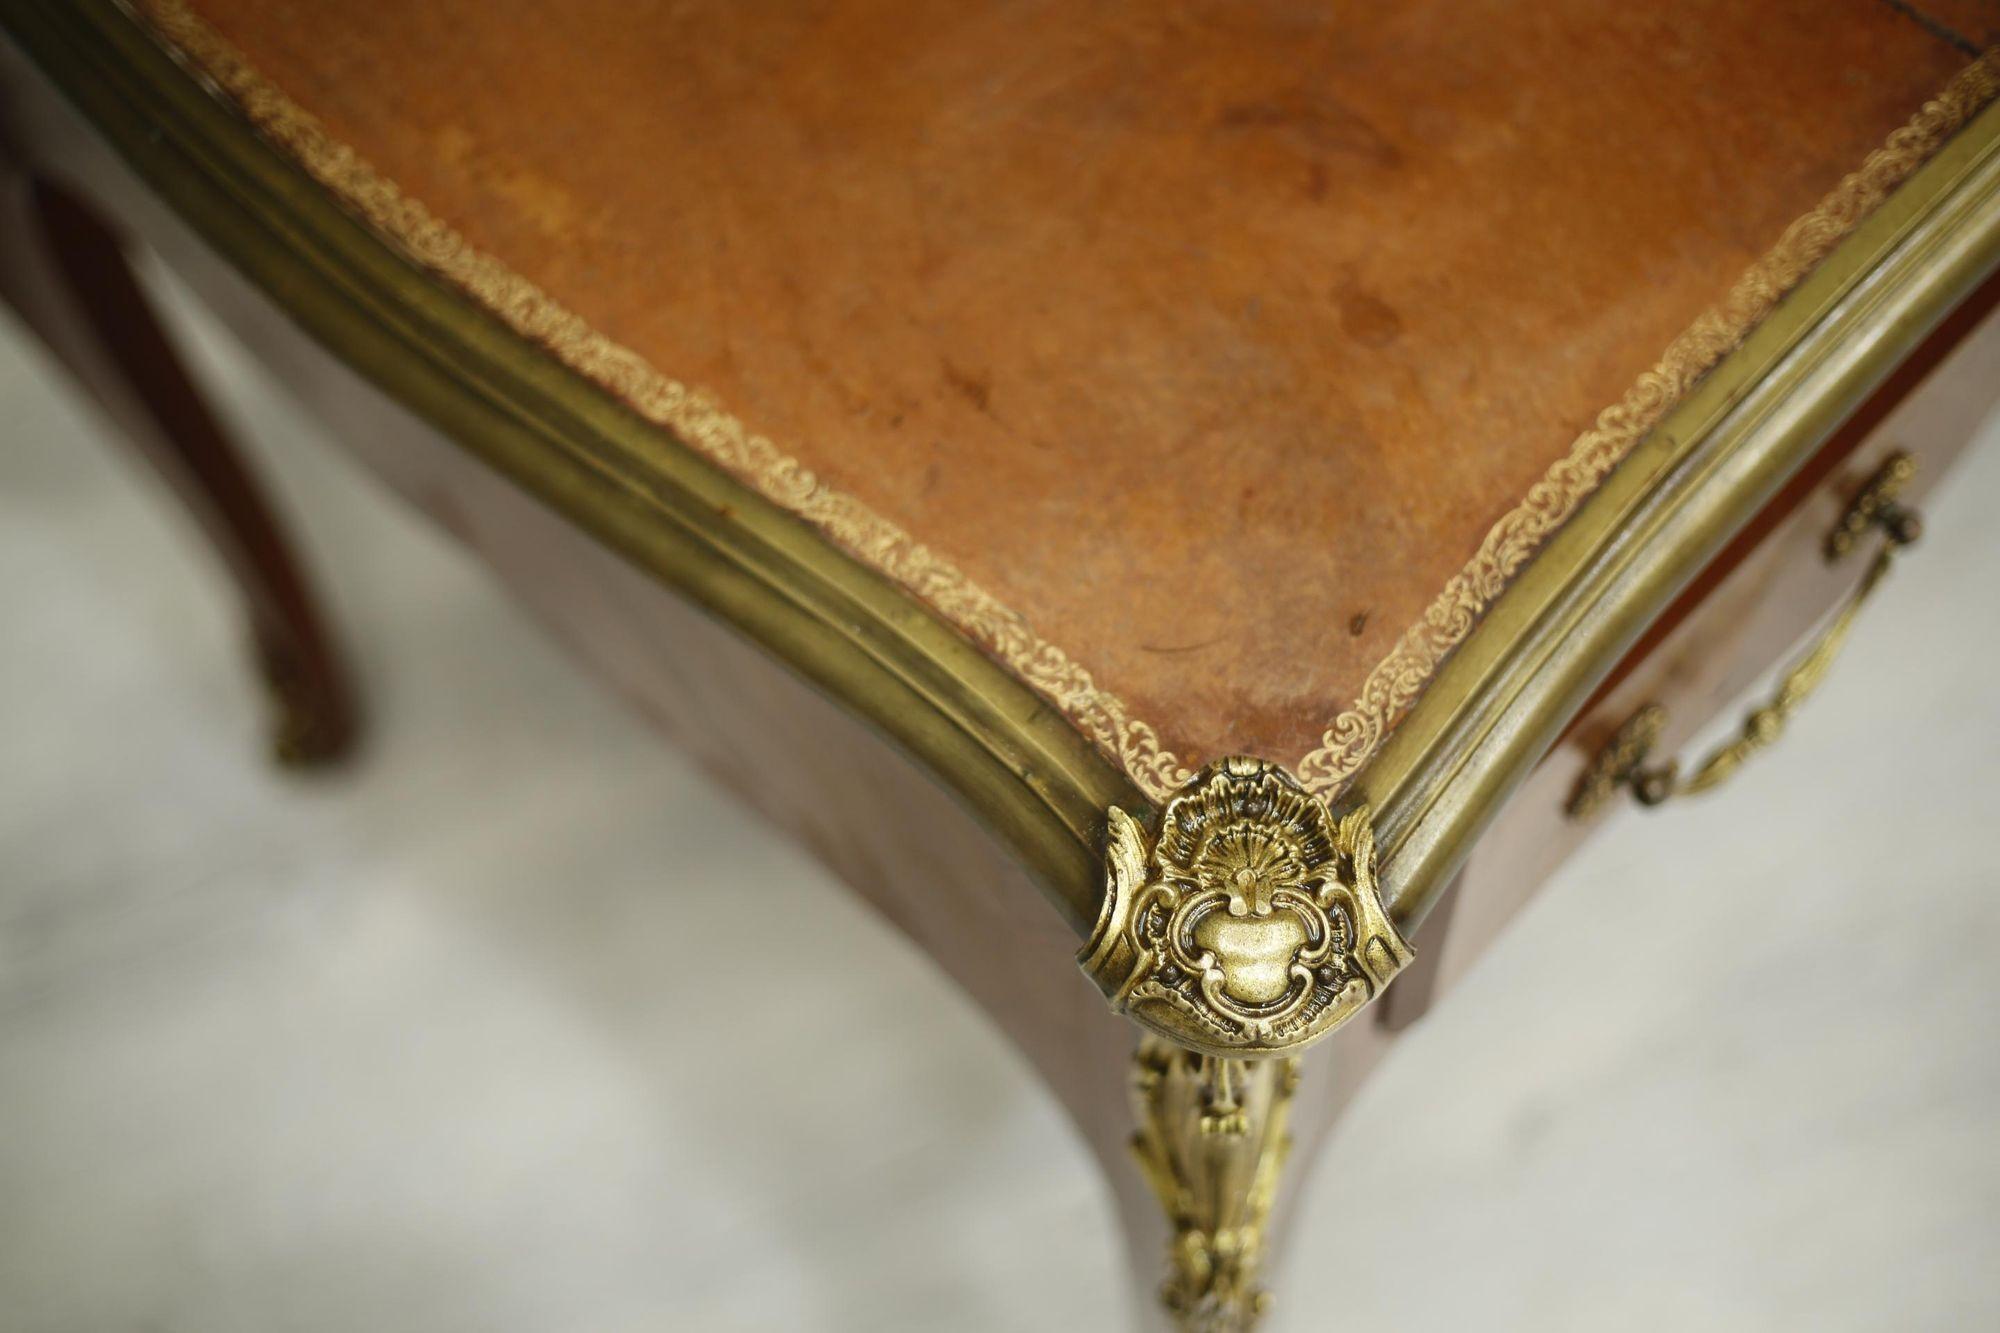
[1622, 761]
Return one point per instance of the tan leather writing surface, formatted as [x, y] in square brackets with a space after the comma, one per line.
[1211, 339]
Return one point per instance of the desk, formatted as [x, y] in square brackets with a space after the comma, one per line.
[1417, 449]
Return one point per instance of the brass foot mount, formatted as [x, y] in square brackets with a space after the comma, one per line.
[1247, 926]
[1211, 1141]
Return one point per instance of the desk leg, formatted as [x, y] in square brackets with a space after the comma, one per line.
[63, 270]
[1211, 1141]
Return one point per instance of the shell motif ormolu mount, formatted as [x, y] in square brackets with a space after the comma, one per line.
[1251, 924]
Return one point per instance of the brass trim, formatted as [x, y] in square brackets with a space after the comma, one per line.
[1022, 768]
[694, 417]
[1211, 1142]
[1622, 760]
[1878, 506]
[1357, 731]
[1497, 701]
[1618, 761]
[1250, 923]
[1511, 688]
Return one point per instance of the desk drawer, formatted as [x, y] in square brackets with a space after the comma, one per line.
[1722, 646]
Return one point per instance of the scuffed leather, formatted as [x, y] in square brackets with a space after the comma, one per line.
[1210, 337]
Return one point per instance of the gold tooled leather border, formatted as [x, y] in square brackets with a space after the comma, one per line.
[690, 414]
[1395, 683]
[705, 426]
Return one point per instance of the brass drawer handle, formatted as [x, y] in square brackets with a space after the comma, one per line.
[1623, 760]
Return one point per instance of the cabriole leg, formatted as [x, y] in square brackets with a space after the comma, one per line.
[64, 271]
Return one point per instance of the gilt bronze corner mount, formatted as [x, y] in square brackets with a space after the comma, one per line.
[1249, 924]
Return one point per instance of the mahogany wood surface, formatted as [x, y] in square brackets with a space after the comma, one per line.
[1866, 425]
[888, 830]
[891, 833]
[1758, 604]
[65, 275]
[1210, 338]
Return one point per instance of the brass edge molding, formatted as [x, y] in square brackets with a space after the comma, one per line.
[1023, 769]
[1250, 923]
[521, 414]
[1393, 685]
[1508, 691]
[1211, 1141]
[691, 415]
[1358, 731]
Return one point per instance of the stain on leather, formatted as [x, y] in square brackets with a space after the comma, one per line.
[1366, 317]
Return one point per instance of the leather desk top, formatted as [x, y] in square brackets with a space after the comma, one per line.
[1210, 364]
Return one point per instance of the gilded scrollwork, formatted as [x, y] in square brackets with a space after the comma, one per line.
[1211, 1139]
[1250, 924]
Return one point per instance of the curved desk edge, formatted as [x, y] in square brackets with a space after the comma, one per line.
[1670, 506]
[1493, 710]
[1014, 761]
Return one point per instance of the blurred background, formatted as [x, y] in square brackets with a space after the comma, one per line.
[411, 1047]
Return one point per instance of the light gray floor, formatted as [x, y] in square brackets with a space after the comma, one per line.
[413, 1048]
